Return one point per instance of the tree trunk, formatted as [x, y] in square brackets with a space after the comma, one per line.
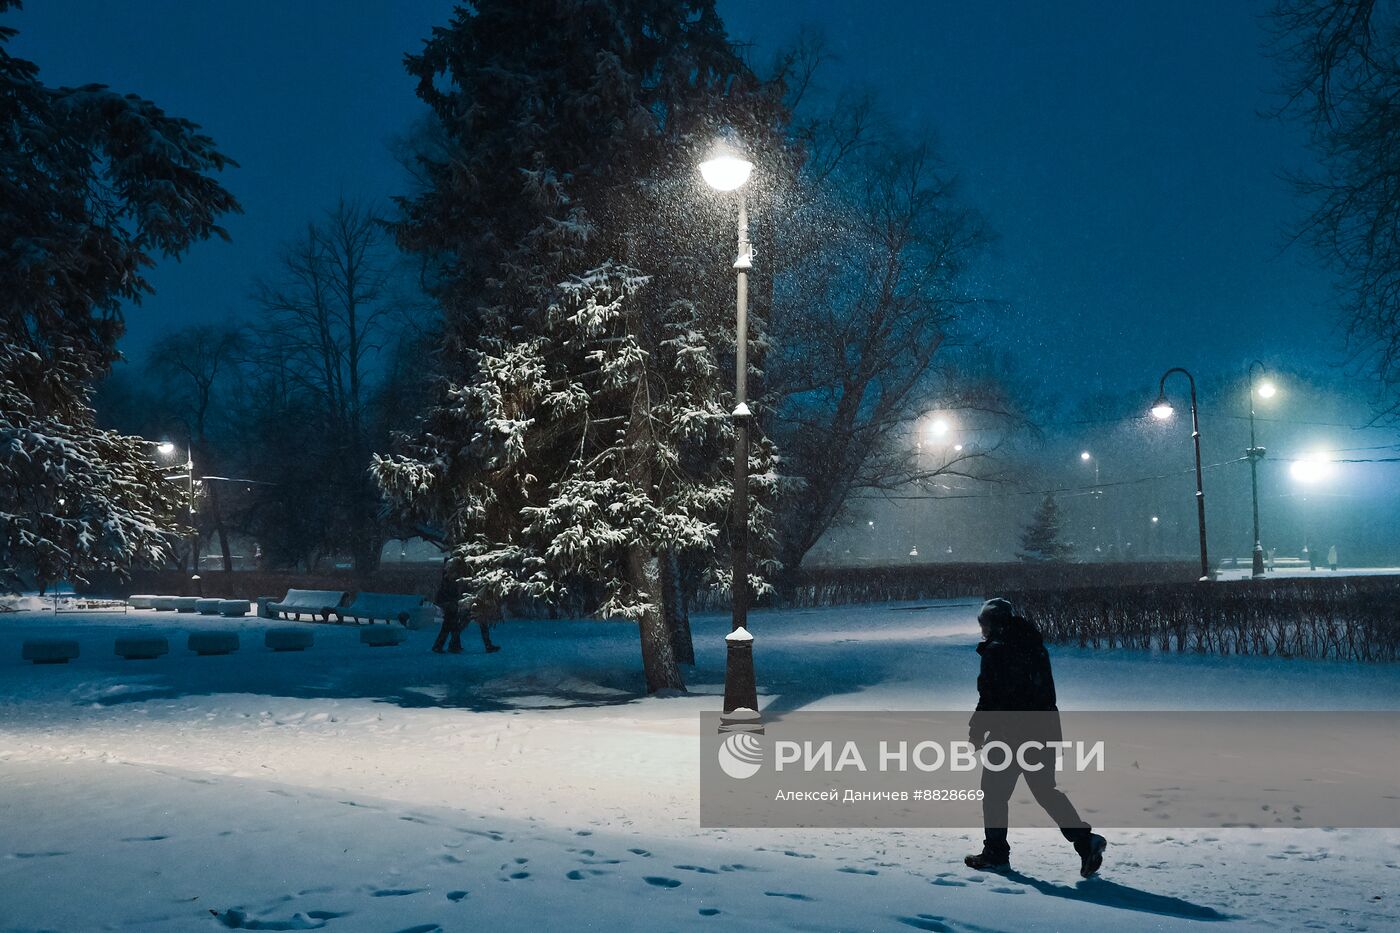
[219, 529]
[658, 657]
[675, 610]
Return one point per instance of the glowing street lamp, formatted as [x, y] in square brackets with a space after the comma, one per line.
[1162, 409]
[1254, 454]
[726, 169]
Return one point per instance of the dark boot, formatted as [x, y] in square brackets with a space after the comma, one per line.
[1090, 854]
[991, 858]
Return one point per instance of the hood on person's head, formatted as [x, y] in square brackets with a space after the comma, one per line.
[996, 614]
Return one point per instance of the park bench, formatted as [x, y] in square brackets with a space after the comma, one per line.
[311, 602]
[391, 607]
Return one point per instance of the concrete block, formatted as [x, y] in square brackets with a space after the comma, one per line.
[233, 607]
[49, 650]
[207, 643]
[288, 639]
[142, 647]
[383, 636]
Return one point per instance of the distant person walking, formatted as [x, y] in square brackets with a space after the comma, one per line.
[454, 620]
[1016, 677]
[1332, 557]
[1311, 556]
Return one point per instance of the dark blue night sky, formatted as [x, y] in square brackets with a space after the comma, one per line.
[1122, 151]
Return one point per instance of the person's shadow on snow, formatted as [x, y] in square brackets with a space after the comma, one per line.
[1111, 894]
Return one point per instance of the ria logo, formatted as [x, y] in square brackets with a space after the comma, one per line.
[740, 755]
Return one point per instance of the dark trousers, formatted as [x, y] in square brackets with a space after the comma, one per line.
[998, 785]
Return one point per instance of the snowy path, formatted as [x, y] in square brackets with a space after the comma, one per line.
[352, 789]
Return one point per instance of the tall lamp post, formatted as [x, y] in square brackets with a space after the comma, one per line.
[1086, 457]
[1254, 454]
[726, 169]
[1162, 410]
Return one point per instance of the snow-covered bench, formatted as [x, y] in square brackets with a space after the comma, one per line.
[142, 647]
[288, 639]
[311, 602]
[141, 601]
[391, 607]
[207, 607]
[207, 643]
[49, 650]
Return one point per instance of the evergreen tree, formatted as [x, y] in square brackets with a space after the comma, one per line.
[1041, 539]
[581, 430]
[93, 184]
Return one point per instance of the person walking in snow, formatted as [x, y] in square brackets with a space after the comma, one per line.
[1332, 557]
[454, 620]
[1016, 678]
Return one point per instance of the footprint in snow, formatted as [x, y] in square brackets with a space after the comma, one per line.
[926, 922]
[788, 895]
[948, 882]
[798, 854]
[422, 928]
[1005, 890]
[852, 870]
[642, 852]
[37, 854]
[455, 896]
[144, 838]
[657, 881]
[579, 874]
[708, 911]
[697, 868]
[395, 892]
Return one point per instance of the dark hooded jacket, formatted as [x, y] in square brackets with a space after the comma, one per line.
[1015, 677]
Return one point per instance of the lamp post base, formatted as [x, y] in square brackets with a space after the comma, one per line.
[1258, 571]
[740, 684]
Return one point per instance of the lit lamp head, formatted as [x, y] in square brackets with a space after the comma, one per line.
[1162, 409]
[1313, 468]
[1266, 389]
[725, 168]
[939, 427]
[1086, 456]
[166, 448]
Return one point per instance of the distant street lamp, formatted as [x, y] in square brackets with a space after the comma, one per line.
[1162, 410]
[168, 449]
[1255, 453]
[1096, 494]
[726, 169]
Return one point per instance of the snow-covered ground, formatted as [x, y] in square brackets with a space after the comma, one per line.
[355, 789]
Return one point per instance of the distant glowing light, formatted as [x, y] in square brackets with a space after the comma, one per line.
[940, 427]
[1086, 456]
[1163, 409]
[166, 448]
[1266, 389]
[1313, 468]
[957, 447]
[1154, 519]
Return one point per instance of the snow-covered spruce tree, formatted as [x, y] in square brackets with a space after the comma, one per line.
[1041, 539]
[581, 431]
[93, 184]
